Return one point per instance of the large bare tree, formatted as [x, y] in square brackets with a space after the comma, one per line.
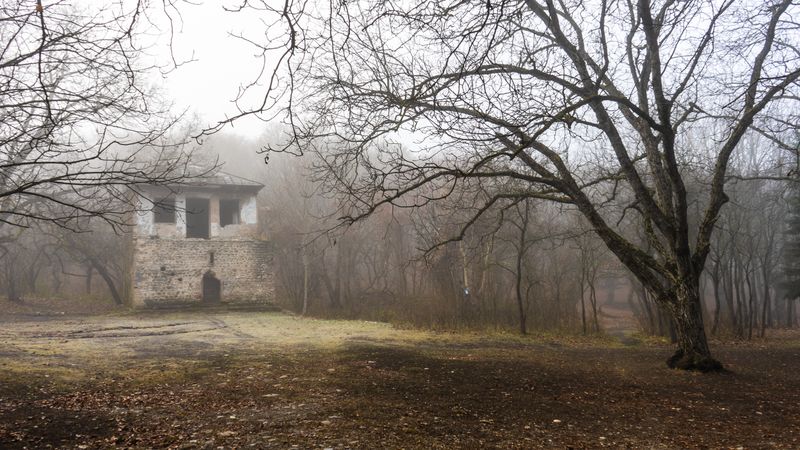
[78, 126]
[592, 103]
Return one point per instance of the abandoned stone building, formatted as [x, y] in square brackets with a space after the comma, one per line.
[200, 244]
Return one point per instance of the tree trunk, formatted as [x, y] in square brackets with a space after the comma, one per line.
[89, 272]
[687, 314]
[727, 282]
[717, 300]
[751, 306]
[766, 305]
[332, 286]
[741, 314]
[109, 279]
[669, 322]
[637, 311]
[651, 315]
[593, 301]
[523, 231]
[583, 296]
[485, 267]
[12, 288]
[12, 292]
[56, 278]
[305, 281]
[466, 310]
[523, 329]
[583, 309]
[33, 273]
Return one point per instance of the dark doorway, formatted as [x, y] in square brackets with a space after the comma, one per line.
[212, 288]
[197, 218]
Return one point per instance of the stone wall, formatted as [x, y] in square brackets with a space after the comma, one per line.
[169, 272]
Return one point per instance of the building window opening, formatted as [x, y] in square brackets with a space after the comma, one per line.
[164, 210]
[197, 224]
[228, 212]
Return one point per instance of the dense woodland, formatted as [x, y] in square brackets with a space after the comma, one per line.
[483, 224]
[529, 266]
[517, 165]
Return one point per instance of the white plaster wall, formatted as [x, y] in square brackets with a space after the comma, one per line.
[144, 222]
[249, 211]
[180, 214]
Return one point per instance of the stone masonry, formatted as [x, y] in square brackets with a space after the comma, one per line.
[231, 263]
[169, 272]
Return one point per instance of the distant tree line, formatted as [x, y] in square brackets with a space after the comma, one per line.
[557, 145]
[529, 265]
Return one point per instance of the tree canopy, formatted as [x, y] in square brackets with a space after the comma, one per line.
[78, 125]
[602, 105]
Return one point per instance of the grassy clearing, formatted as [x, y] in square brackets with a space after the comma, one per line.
[195, 380]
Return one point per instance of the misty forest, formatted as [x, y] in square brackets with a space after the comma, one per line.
[400, 224]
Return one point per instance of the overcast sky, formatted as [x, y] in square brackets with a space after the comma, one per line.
[221, 63]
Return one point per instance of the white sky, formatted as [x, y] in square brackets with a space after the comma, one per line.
[208, 85]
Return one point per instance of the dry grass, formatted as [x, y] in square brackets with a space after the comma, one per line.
[195, 380]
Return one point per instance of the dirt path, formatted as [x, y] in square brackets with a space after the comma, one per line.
[261, 380]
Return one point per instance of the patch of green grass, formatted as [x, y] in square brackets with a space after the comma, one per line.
[58, 350]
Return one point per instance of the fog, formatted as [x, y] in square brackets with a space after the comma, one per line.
[530, 266]
[399, 225]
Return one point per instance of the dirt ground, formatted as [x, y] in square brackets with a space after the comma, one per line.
[269, 380]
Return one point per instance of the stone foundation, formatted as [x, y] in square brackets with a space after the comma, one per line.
[169, 272]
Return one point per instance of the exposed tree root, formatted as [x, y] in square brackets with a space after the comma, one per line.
[694, 361]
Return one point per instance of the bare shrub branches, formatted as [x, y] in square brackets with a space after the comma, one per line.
[592, 103]
[78, 125]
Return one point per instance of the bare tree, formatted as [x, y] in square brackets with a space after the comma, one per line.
[530, 90]
[591, 258]
[78, 127]
[99, 249]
